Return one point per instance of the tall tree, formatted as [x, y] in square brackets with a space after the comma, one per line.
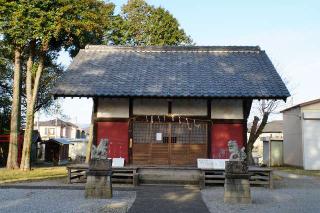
[11, 19]
[142, 24]
[57, 24]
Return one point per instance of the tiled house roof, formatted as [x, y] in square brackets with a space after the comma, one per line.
[56, 122]
[215, 72]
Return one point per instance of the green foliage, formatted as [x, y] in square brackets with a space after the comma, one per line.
[5, 88]
[54, 23]
[51, 25]
[143, 24]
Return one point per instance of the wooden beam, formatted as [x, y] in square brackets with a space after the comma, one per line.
[246, 106]
[112, 119]
[130, 107]
[95, 115]
[169, 107]
[209, 126]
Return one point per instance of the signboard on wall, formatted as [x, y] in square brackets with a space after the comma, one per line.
[159, 136]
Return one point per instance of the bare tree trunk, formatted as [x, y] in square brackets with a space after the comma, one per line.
[91, 132]
[255, 132]
[15, 113]
[31, 101]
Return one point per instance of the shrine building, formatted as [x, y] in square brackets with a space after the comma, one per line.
[171, 105]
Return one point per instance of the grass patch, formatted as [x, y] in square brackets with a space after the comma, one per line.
[298, 171]
[7, 176]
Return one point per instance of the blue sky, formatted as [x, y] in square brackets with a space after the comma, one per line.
[289, 31]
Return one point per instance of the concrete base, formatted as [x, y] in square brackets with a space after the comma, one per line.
[169, 175]
[98, 187]
[237, 191]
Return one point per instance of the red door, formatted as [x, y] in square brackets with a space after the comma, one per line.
[117, 135]
[220, 135]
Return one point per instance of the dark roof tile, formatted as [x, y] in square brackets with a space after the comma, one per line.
[226, 71]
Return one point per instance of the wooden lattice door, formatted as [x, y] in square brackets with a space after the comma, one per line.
[168, 143]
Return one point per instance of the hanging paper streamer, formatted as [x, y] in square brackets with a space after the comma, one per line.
[188, 124]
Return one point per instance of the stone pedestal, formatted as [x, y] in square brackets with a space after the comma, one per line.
[99, 184]
[237, 186]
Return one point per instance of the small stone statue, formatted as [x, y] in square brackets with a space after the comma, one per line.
[100, 152]
[99, 183]
[237, 185]
[236, 153]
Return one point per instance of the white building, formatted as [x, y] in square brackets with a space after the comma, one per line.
[57, 128]
[272, 131]
[77, 149]
[301, 134]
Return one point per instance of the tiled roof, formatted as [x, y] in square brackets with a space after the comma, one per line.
[216, 72]
[56, 122]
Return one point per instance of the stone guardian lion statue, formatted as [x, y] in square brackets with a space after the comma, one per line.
[236, 154]
[100, 151]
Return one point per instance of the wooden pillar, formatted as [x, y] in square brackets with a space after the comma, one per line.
[130, 132]
[209, 128]
[94, 120]
[246, 112]
[93, 129]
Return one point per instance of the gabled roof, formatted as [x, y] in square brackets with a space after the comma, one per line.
[302, 105]
[56, 122]
[214, 72]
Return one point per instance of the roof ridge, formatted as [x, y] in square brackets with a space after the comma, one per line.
[173, 48]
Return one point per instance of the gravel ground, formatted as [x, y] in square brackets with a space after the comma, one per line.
[49, 200]
[292, 194]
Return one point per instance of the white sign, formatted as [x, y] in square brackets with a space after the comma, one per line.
[219, 163]
[204, 163]
[211, 163]
[117, 162]
[159, 136]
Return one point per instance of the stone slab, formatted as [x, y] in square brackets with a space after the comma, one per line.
[103, 164]
[237, 191]
[236, 167]
[99, 173]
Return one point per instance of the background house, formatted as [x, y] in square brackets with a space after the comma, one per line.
[57, 151]
[273, 131]
[77, 150]
[301, 133]
[57, 128]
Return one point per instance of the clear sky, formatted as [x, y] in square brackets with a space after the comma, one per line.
[289, 31]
